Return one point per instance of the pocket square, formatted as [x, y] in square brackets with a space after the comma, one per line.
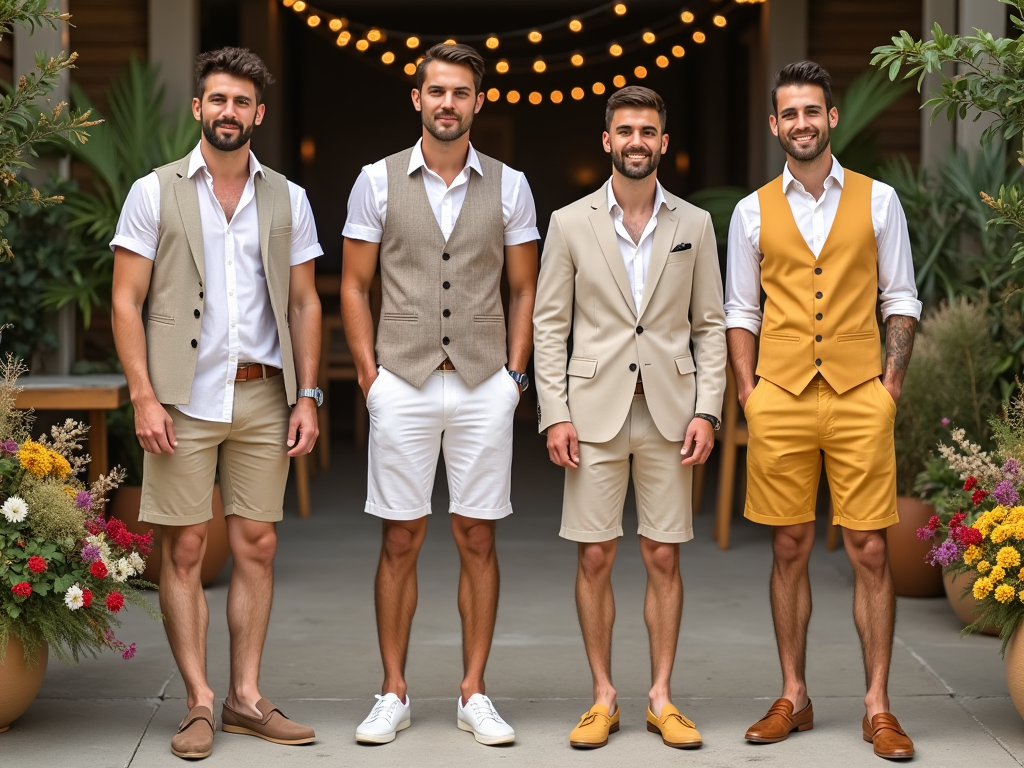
[681, 247]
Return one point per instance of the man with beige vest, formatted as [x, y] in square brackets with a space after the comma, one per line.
[632, 272]
[217, 324]
[826, 245]
[442, 220]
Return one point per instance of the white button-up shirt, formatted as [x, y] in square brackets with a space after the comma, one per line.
[238, 324]
[814, 218]
[636, 256]
[368, 202]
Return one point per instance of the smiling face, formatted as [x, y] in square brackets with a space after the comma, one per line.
[228, 111]
[635, 141]
[803, 124]
[448, 100]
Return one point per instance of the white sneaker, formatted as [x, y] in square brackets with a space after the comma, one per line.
[388, 716]
[480, 718]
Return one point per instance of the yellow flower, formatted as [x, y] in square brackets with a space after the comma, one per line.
[1002, 533]
[1005, 593]
[1008, 557]
[1018, 531]
[36, 458]
[61, 467]
[982, 586]
[983, 567]
[999, 514]
[1021, 595]
[973, 554]
[997, 574]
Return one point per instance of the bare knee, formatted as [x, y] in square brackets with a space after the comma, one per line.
[866, 549]
[400, 542]
[258, 549]
[596, 559]
[792, 545]
[183, 548]
[476, 542]
[661, 559]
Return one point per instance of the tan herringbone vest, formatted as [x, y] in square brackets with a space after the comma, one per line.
[819, 316]
[442, 299]
[176, 298]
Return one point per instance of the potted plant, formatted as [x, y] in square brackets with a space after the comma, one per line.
[65, 572]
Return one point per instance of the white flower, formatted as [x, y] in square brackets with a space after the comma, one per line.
[121, 570]
[137, 563]
[14, 509]
[73, 598]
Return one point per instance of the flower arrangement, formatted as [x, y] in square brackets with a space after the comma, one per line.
[65, 572]
[984, 537]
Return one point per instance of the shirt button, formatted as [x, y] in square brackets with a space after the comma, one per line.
[632, 366]
[818, 337]
[447, 313]
[639, 329]
[196, 313]
[446, 285]
[817, 270]
[232, 293]
[818, 361]
[194, 343]
[230, 263]
[200, 294]
[445, 340]
[446, 256]
[818, 316]
[817, 295]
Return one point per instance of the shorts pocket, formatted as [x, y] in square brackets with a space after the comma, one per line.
[375, 386]
[752, 396]
[885, 397]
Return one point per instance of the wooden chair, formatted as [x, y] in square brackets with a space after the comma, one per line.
[336, 364]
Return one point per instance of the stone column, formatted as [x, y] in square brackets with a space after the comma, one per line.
[989, 16]
[784, 29]
[261, 34]
[937, 138]
[174, 45]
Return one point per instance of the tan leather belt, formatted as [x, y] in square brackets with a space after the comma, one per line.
[447, 365]
[249, 371]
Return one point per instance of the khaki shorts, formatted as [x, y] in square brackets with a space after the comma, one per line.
[790, 433]
[250, 453]
[596, 489]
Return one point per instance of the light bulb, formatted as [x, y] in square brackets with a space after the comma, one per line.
[343, 38]
[535, 36]
[649, 37]
[493, 94]
[719, 20]
[362, 45]
[313, 21]
[577, 60]
[373, 35]
[618, 81]
[620, 9]
[299, 6]
[575, 25]
[536, 97]
[615, 49]
[699, 37]
[556, 97]
[678, 51]
[640, 72]
[335, 25]
[412, 42]
[577, 93]
[492, 42]
[409, 69]
[686, 17]
[661, 61]
[513, 97]
[539, 66]
[598, 88]
[388, 57]
[501, 67]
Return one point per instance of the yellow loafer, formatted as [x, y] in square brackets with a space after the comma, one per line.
[675, 729]
[594, 727]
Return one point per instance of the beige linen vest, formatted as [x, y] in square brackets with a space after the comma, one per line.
[442, 299]
[819, 316]
[176, 298]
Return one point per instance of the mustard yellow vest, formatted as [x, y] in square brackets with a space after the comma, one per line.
[819, 316]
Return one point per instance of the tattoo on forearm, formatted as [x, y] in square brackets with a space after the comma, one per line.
[899, 343]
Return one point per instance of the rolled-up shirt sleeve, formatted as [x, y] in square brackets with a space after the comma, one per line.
[518, 208]
[896, 284]
[138, 227]
[365, 209]
[305, 245]
[743, 267]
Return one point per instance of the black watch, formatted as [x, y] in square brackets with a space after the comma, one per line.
[710, 419]
[521, 379]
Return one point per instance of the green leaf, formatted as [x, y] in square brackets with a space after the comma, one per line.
[62, 583]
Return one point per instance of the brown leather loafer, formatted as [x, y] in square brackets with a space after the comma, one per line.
[194, 739]
[273, 726]
[780, 722]
[889, 740]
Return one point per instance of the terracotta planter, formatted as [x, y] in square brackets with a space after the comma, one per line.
[19, 685]
[911, 575]
[125, 507]
[1014, 658]
[964, 607]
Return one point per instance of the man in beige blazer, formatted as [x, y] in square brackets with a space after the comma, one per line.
[632, 272]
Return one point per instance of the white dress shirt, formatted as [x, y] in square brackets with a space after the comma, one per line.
[636, 256]
[368, 202]
[238, 324]
[898, 291]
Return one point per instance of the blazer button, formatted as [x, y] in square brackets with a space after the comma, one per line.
[446, 256]
[818, 361]
[200, 294]
[818, 337]
[446, 285]
[818, 316]
[639, 329]
[817, 295]
[447, 313]
[632, 366]
[196, 313]
[817, 270]
[445, 340]
[194, 343]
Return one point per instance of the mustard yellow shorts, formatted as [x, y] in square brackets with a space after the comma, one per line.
[790, 433]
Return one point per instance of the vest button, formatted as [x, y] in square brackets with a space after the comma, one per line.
[818, 316]
[639, 329]
[446, 285]
[446, 256]
[445, 340]
[632, 366]
[200, 294]
[818, 361]
[196, 313]
[817, 295]
[817, 270]
[818, 337]
[194, 343]
[447, 313]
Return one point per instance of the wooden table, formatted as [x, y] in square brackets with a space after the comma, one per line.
[95, 392]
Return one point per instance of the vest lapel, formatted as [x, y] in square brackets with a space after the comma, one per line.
[663, 236]
[601, 221]
[265, 214]
[188, 207]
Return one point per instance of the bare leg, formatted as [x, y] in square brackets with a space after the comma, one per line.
[874, 611]
[186, 614]
[663, 610]
[478, 597]
[595, 604]
[253, 546]
[791, 606]
[396, 596]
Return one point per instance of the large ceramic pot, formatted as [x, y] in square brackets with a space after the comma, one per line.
[125, 507]
[911, 575]
[19, 683]
[1014, 658]
[964, 607]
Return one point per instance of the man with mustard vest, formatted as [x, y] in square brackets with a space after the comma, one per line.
[826, 245]
[217, 324]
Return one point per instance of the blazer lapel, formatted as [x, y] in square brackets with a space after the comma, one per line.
[664, 234]
[601, 221]
[188, 207]
[265, 213]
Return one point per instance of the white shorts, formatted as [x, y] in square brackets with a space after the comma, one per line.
[472, 426]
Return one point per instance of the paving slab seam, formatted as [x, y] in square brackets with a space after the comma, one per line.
[145, 730]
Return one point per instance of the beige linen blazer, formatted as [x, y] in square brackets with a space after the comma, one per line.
[676, 341]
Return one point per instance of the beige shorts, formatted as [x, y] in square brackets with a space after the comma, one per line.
[250, 453]
[596, 489]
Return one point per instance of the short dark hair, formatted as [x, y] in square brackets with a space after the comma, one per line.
[463, 55]
[635, 96]
[803, 73]
[240, 62]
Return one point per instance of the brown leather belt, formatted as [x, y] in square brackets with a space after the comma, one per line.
[639, 390]
[447, 365]
[249, 371]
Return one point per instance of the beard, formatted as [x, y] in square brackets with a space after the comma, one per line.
[806, 152]
[631, 169]
[462, 125]
[227, 143]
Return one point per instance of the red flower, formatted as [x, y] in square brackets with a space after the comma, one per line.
[933, 522]
[957, 520]
[36, 564]
[24, 589]
[978, 496]
[970, 483]
[144, 543]
[966, 536]
[86, 598]
[117, 533]
[115, 602]
[93, 527]
[98, 569]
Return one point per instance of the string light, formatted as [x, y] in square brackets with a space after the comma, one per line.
[539, 66]
[678, 51]
[618, 81]
[362, 45]
[313, 21]
[598, 88]
[620, 9]
[335, 25]
[577, 60]
[373, 35]
[719, 20]
[699, 37]
[556, 97]
[536, 98]
[299, 6]
[661, 61]
[412, 42]
[450, 41]
[409, 69]
[577, 93]
[686, 17]
[492, 42]
[535, 36]
[640, 72]
[493, 94]
[575, 26]
[288, 3]
[513, 97]
[615, 49]
[388, 57]
[649, 37]
[344, 38]
[501, 67]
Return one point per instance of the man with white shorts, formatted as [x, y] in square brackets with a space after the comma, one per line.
[442, 219]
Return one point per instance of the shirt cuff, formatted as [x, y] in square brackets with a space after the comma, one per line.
[520, 236]
[134, 246]
[752, 324]
[305, 255]
[906, 307]
[356, 232]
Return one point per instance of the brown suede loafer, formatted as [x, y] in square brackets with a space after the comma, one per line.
[274, 726]
[780, 722]
[194, 739]
[889, 740]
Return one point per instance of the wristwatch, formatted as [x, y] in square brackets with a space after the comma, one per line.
[710, 419]
[521, 379]
[316, 394]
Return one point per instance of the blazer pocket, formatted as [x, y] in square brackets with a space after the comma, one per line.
[164, 319]
[276, 231]
[781, 337]
[685, 364]
[855, 336]
[580, 366]
[488, 318]
[399, 317]
[678, 257]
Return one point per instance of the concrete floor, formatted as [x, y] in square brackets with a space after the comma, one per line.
[321, 663]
